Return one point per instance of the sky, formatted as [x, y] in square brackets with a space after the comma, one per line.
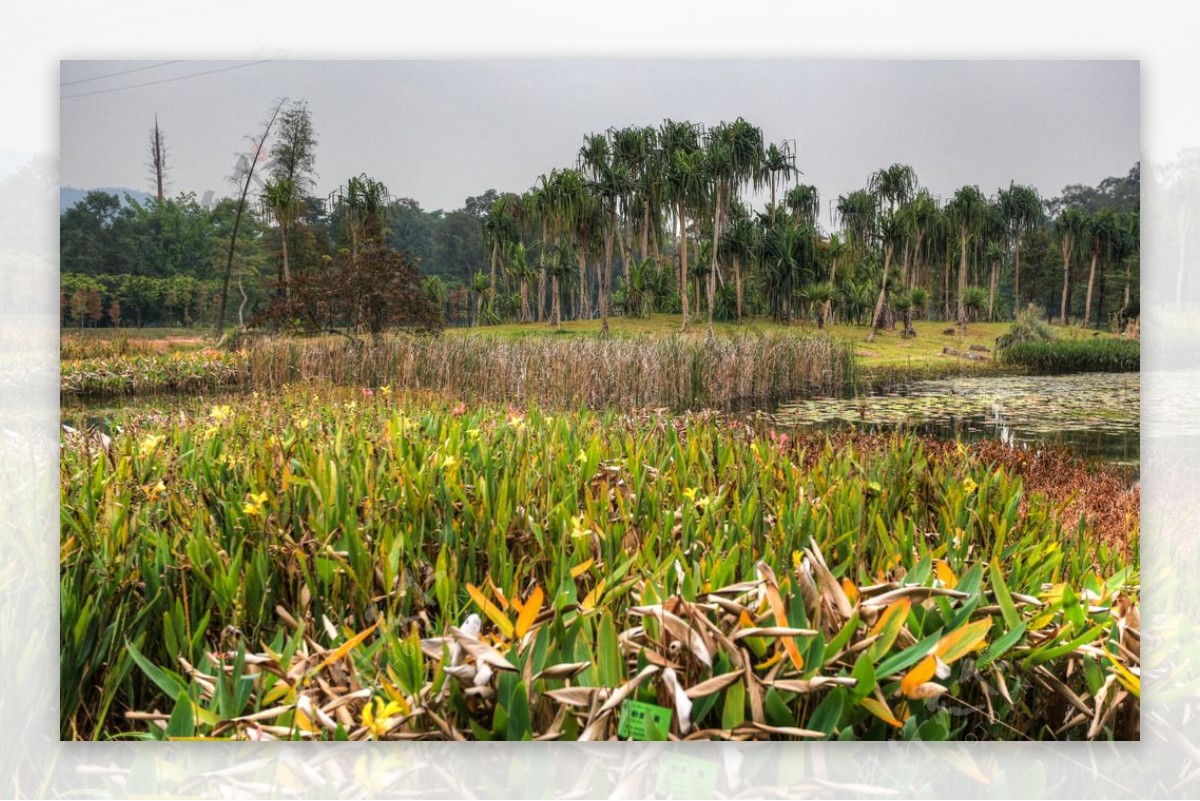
[441, 131]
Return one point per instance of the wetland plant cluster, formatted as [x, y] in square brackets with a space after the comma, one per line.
[354, 565]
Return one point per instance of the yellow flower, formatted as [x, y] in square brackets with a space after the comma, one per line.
[219, 413]
[577, 527]
[149, 444]
[797, 558]
[582, 457]
[254, 506]
[386, 390]
[449, 463]
[690, 493]
[969, 485]
[377, 717]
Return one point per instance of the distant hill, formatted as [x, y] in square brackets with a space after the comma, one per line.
[68, 196]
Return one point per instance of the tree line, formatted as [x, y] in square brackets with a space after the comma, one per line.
[648, 219]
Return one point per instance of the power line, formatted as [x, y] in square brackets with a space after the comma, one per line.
[166, 80]
[122, 72]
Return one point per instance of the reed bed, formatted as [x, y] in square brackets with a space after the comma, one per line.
[180, 371]
[73, 346]
[674, 371]
[353, 565]
[1057, 356]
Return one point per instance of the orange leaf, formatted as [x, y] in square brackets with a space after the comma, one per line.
[529, 611]
[881, 711]
[346, 647]
[581, 568]
[491, 610]
[499, 595]
[922, 673]
[780, 613]
[850, 590]
[946, 575]
[962, 641]
[593, 597]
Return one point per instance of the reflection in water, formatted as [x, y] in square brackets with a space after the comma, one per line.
[1095, 415]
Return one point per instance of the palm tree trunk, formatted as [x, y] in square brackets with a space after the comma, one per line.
[1017, 276]
[606, 279]
[287, 273]
[556, 310]
[495, 259]
[1087, 309]
[683, 265]
[583, 312]
[962, 279]
[737, 283]
[1066, 293]
[712, 272]
[878, 315]
[992, 292]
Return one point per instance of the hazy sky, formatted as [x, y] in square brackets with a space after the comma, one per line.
[440, 131]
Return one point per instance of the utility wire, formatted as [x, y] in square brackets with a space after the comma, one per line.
[122, 72]
[166, 80]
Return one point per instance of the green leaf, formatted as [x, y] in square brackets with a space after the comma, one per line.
[864, 673]
[170, 683]
[1000, 645]
[520, 726]
[183, 720]
[733, 713]
[1012, 618]
[907, 658]
[828, 713]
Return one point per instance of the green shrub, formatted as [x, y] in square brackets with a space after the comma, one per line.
[1075, 356]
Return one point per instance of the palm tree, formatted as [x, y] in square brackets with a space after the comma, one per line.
[738, 242]
[893, 231]
[785, 259]
[804, 202]
[684, 186]
[903, 303]
[362, 201]
[499, 228]
[279, 196]
[734, 153]
[973, 299]
[894, 185]
[919, 297]
[1070, 228]
[778, 161]
[821, 295]
[967, 210]
[609, 179]
[479, 287]
[1023, 212]
[994, 254]
[516, 263]
[1101, 230]
[923, 212]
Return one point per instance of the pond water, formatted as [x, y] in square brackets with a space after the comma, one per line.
[1093, 414]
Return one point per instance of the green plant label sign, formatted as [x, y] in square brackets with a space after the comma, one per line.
[682, 776]
[642, 721]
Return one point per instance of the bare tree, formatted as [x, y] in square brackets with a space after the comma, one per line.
[158, 159]
[247, 164]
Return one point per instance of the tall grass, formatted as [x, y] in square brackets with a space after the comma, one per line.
[292, 556]
[1100, 355]
[673, 371]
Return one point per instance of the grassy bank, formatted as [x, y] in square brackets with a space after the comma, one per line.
[307, 566]
[670, 371]
[1074, 356]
